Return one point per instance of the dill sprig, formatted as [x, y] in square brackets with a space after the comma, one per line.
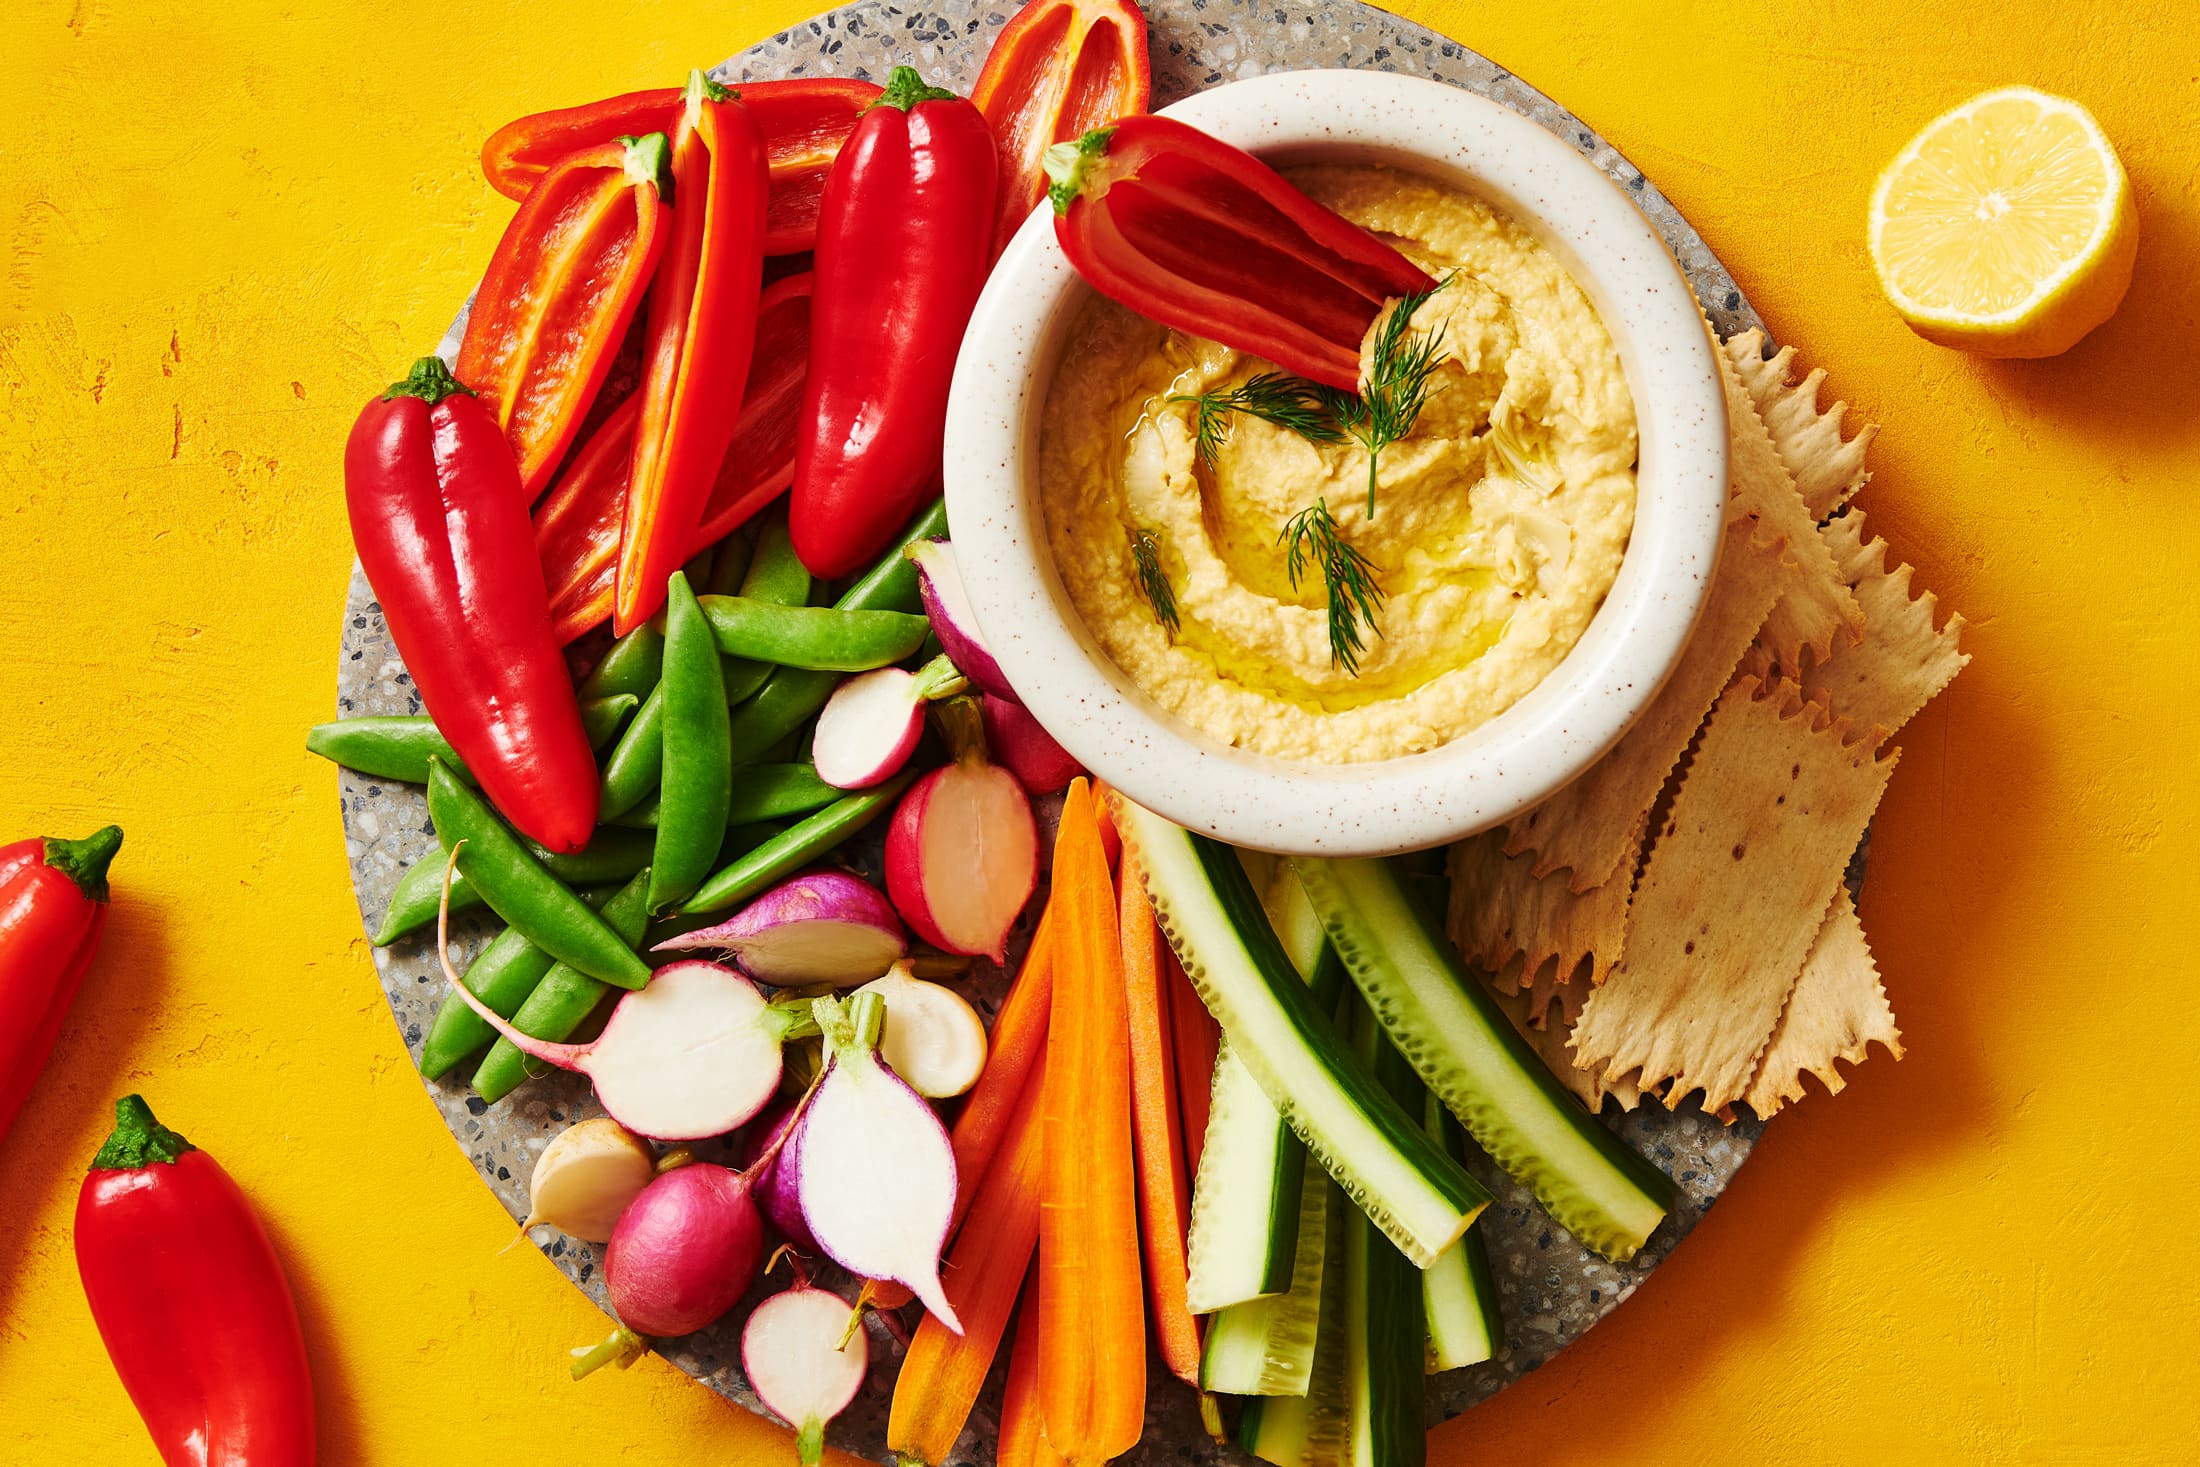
[1313, 538]
[1291, 403]
[1400, 368]
[1153, 581]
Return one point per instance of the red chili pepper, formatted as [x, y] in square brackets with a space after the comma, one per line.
[53, 904]
[1058, 69]
[804, 121]
[903, 247]
[191, 1302]
[441, 524]
[700, 331]
[559, 291]
[578, 523]
[1191, 232]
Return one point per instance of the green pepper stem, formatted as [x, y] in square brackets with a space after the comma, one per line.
[701, 88]
[649, 160]
[905, 89]
[85, 861]
[138, 1140]
[1068, 164]
[430, 381]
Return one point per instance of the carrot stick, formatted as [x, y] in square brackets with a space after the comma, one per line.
[1197, 1038]
[1023, 1426]
[1164, 1192]
[942, 1372]
[1092, 1327]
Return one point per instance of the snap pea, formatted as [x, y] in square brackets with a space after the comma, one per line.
[760, 792]
[519, 889]
[400, 748]
[501, 976]
[637, 762]
[776, 575]
[697, 784]
[631, 666]
[792, 695]
[731, 567]
[613, 855]
[799, 845]
[822, 637]
[562, 1000]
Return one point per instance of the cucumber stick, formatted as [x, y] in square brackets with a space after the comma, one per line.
[1458, 1290]
[1265, 1347]
[1313, 1429]
[1386, 1335]
[1422, 1198]
[1591, 1182]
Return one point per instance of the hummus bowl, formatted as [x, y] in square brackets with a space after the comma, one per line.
[1532, 744]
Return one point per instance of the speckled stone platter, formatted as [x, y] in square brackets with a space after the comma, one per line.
[1552, 1288]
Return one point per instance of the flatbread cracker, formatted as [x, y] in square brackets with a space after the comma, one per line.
[1733, 894]
[1828, 467]
[1500, 910]
[1904, 660]
[1836, 1010]
[1553, 1046]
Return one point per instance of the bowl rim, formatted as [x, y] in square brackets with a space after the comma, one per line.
[1554, 732]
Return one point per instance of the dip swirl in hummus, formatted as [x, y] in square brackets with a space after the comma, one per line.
[1498, 526]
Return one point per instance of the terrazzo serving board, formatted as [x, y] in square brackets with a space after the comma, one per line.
[1552, 1289]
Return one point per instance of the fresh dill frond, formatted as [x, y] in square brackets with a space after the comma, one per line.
[1312, 538]
[1153, 581]
[1400, 368]
[1290, 403]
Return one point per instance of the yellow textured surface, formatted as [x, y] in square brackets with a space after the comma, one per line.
[226, 224]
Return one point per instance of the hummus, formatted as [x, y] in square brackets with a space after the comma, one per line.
[1498, 526]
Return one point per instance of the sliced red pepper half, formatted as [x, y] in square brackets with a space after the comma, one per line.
[1201, 236]
[695, 355]
[560, 292]
[804, 122]
[1058, 69]
[578, 523]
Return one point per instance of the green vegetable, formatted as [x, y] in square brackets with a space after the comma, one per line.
[776, 575]
[1595, 1185]
[1386, 1336]
[501, 976]
[822, 637]
[613, 855]
[1458, 1290]
[1265, 1346]
[631, 666]
[637, 762]
[400, 748]
[562, 1001]
[797, 847]
[760, 792]
[731, 566]
[1312, 1430]
[698, 779]
[519, 889]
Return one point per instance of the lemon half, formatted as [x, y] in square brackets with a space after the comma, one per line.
[2005, 228]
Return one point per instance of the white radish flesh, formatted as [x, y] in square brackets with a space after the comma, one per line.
[585, 1178]
[873, 1166]
[870, 725]
[792, 1353]
[933, 1038]
[1020, 745]
[823, 927]
[939, 583]
[962, 857]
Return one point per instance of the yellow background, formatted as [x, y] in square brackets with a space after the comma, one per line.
[227, 224]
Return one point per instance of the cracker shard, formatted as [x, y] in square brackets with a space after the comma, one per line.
[1828, 466]
[1735, 890]
[1837, 1009]
[1552, 1044]
[1501, 910]
[1904, 659]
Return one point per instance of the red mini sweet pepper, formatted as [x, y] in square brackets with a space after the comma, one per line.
[903, 247]
[1201, 236]
[191, 1302]
[53, 906]
[440, 521]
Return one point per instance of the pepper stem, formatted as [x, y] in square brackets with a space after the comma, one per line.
[905, 89]
[1066, 165]
[701, 88]
[138, 1140]
[85, 861]
[430, 381]
[649, 160]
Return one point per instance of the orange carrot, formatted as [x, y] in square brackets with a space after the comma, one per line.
[942, 1372]
[1023, 1427]
[1164, 1188]
[1092, 1327]
[1197, 1037]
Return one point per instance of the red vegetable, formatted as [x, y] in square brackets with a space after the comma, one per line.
[701, 330]
[559, 292]
[1198, 235]
[441, 524]
[902, 249]
[191, 1302]
[53, 904]
[1058, 69]
[804, 122]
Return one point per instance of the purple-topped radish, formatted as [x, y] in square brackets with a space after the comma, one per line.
[962, 853]
[805, 1358]
[873, 1167]
[870, 725]
[1026, 750]
[773, 1184]
[940, 583]
[822, 927]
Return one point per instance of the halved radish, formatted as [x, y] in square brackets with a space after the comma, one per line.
[585, 1178]
[821, 927]
[1024, 749]
[939, 582]
[934, 1039]
[805, 1357]
[870, 725]
[962, 854]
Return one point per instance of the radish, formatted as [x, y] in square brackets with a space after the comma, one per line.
[940, 583]
[962, 854]
[933, 1038]
[685, 1250]
[873, 1167]
[824, 927]
[806, 1361]
[586, 1177]
[870, 725]
[1026, 750]
[774, 1184]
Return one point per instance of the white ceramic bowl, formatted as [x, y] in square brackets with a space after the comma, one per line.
[1516, 759]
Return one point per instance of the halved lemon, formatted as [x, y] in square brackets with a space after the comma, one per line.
[2005, 228]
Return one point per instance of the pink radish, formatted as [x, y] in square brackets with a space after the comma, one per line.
[793, 1353]
[939, 582]
[1025, 749]
[870, 725]
[685, 1250]
[933, 1038]
[823, 927]
[962, 854]
[775, 1184]
[873, 1167]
